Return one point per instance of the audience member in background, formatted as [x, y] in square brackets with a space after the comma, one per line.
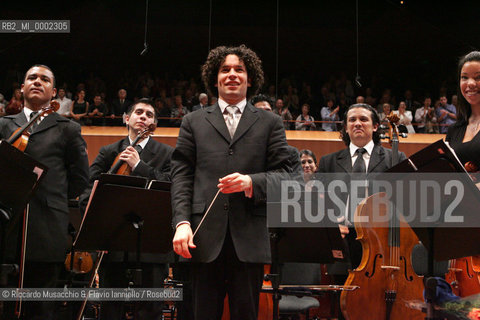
[79, 107]
[409, 102]
[213, 100]
[119, 106]
[387, 109]
[2, 105]
[16, 103]
[188, 99]
[264, 102]
[203, 99]
[305, 121]
[360, 99]
[405, 118]
[455, 101]
[291, 100]
[178, 112]
[163, 112]
[96, 110]
[309, 164]
[424, 114]
[283, 113]
[330, 113]
[64, 102]
[446, 114]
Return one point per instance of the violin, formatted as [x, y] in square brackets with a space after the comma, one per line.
[120, 166]
[385, 275]
[19, 138]
[464, 273]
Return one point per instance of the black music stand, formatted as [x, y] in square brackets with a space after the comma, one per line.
[124, 216]
[442, 241]
[325, 245]
[20, 175]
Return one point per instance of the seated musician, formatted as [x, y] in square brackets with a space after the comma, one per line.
[152, 162]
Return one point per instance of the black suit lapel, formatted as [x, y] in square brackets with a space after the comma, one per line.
[344, 160]
[20, 119]
[249, 117]
[148, 153]
[378, 156]
[215, 117]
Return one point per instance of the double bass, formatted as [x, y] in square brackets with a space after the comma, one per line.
[385, 275]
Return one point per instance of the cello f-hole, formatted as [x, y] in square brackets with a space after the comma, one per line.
[368, 274]
[407, 277]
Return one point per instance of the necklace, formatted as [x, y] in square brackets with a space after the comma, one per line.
[474, 127]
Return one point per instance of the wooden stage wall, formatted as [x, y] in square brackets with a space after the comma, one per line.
[320, 142]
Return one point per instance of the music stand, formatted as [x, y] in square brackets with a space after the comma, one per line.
[20, 176]
[325, 245]
[126, 218]
[443, 242]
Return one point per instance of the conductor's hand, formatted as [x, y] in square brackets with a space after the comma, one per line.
[235, 182]
[183, 240]
[130, 156]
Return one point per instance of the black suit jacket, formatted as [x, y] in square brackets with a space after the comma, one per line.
[58, 144]
[119, 108]
[204, 153]
[341, 162]
[154, 163]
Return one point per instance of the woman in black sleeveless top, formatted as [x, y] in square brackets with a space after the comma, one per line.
[464, 135]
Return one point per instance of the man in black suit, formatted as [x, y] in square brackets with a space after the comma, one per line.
[152, 161]
[57, 143]
[119, 106]
[228, 147]
[203, 102]
[360, 131]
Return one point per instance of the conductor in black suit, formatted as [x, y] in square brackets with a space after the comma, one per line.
[230, 147]
[57, 143]
[360, 134]
[149, 159]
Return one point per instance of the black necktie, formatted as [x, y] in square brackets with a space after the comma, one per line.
[359, 171]
[35, 124]
[359, 165]
[138, 148]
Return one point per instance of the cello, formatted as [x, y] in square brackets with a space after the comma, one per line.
[19, 139]
[385, 275]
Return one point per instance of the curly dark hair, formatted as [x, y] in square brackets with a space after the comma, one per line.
[261, 98]
[375, 119]
[217, 56]
[464, 110]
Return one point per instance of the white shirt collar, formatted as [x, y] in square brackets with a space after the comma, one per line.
[369, 147]
[241, 105]
[28, 111]
[141, 144]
